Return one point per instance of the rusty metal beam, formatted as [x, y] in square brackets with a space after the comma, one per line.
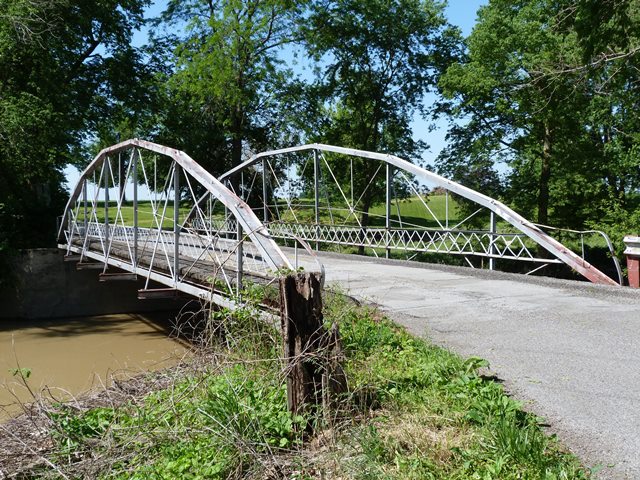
[90, 266]
[118, 277]
[154, 293]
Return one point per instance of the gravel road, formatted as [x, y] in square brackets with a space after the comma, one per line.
[569, 350]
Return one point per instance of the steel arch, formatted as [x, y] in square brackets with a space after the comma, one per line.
[249, 221]
[264, 252]
[532, 231]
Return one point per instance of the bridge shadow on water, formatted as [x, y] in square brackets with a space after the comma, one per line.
[151, 324]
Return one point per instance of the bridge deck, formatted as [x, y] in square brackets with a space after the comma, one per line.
[203, 272]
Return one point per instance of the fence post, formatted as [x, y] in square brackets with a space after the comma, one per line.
[310, 351]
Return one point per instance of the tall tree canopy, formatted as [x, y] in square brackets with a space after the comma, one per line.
[228, 81]
[63, 67]
[377, 60]
[540, 90]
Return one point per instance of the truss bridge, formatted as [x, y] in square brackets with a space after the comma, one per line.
[144, 210]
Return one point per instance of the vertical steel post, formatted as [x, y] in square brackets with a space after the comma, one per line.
[239, 257]
[265, 212]
[446, 209]
[135, 210]
[120, 186]
[387, 221]
[226, 223]
[85, 223]
[316, 195]
[176, 222]
[106, 172]
[492, 248]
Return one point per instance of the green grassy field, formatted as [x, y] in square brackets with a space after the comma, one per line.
[412, 212]
[145, 214]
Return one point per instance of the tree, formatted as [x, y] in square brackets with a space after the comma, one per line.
[609, 36]
[506, 110]
[376, 61]
[57, 83]
[536, 93]
[227, 81]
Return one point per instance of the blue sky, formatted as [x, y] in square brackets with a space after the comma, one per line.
[461, 13]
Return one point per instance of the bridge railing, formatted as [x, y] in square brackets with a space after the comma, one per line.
[381, 204]
[134, 208]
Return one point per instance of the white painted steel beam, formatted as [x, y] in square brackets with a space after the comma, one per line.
[251, 225]
[532, 231]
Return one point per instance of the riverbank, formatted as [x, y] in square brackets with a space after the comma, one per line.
[412, 411]
[44, 286]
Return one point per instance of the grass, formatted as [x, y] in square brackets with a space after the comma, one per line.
[413, 211]
[412, 411]
[145, 214]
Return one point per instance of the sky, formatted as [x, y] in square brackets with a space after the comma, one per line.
[461, 13]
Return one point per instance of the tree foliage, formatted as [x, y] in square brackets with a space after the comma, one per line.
[377, 60]
[228, 86]
[541, 104]
[63, 67]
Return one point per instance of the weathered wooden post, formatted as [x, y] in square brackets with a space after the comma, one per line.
[310, 351]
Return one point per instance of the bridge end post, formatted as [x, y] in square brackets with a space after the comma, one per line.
[135, 211]
[632, 253]
[176, 223]
[106, 172]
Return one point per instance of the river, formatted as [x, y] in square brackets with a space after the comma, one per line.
[73, 355]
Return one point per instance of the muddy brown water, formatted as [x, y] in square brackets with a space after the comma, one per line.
[69, 356]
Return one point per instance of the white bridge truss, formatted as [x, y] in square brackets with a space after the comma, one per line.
[318, 193]
[198, 236]
[153, 239]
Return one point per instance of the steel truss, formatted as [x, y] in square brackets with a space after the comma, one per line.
[298, 194]
[155, 239]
